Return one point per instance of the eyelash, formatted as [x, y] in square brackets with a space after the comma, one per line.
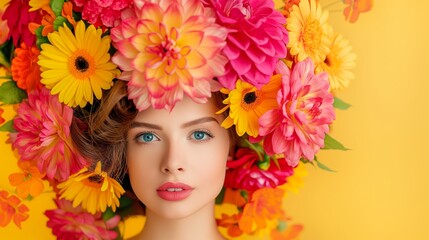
[140, 135]
[208, 136]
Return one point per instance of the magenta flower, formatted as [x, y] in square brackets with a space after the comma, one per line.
[18, 17]
[167, 49]
[43, 135]
[256, 39]
[244, 173]
[297, 128]
[69, 223]
[102, 12]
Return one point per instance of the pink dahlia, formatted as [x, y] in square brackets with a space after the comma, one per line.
[43, 135]
[101, 12]
[256, 40]
[167, 49]
[18, 17]
[244, 173]
[297, 128]
[68, 222]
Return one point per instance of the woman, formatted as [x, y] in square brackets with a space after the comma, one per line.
[176, 160]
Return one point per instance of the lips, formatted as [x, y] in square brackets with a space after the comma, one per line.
[174, 191]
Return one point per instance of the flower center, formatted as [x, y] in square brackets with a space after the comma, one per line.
[250, 100]
[96, 179]
[312, 35]
[81, 64]
[249, 97]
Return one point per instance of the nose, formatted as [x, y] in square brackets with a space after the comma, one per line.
[173, 160]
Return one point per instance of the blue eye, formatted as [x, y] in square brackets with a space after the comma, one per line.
[200, 135]
[147, 137]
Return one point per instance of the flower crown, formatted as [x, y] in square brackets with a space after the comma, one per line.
[278, 64]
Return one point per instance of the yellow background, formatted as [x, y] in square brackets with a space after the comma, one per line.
[381, 189]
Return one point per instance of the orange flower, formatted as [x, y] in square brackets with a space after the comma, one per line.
[290, 233]
[25, 70]
[356, 7]
[231, 223]
[29, 182]
[265, 205]
[1, 119]
[11, 208]
[67, 12]
[47, 22]
[234, 197]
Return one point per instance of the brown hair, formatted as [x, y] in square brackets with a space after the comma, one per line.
[100, 131]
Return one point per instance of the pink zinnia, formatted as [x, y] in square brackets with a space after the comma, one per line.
[167, 49]
[69, 223]
[256, 40]
[43, 135]
[18, 17]
[244, 173]
[101, 12]
[297, 128]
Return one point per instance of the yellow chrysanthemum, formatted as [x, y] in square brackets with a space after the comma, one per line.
[308, 31]
[77, 66]
[338, 62]
[246, 105]
[93, 189]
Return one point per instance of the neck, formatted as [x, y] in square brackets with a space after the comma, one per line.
[200, 225]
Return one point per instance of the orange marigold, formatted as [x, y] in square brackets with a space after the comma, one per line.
[25, 70]
[47, 22]
[265, 205]
[11, 208]
[28, 182]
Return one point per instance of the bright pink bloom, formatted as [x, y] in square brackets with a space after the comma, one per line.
[297, 128]
[256, 39]
[69, 223]
[167, 49]
[102, 12]
[18, 18]
[43, 135]
[243, 172]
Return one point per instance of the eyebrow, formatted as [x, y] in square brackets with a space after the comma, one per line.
[185, 125]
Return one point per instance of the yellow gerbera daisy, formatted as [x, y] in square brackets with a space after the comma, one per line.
[338, 62]
[246, 105]
[308, 31]
[77, 66]
[93, 189]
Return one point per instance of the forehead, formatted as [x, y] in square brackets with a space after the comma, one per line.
[184, 111]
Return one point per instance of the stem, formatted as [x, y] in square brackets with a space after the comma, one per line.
[251, 146]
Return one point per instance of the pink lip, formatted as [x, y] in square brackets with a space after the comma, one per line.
[164, 191]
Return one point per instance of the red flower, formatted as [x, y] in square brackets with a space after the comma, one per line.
[69, 223]
[244, 172]
[25, 70]
[18, 18]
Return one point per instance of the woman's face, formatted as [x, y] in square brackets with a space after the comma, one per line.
[177, 160]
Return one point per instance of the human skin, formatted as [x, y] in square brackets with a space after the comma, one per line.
[186, 145]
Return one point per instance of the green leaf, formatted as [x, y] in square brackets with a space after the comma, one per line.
[57, 6]
[59, 22]
[331, 143]
[340, 104]
[323, 166]
[11, 94]
[40, 38]
[108, 214]
[220, 197]
[7, 127]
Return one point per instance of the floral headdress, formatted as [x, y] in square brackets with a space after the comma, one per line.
[278, 64]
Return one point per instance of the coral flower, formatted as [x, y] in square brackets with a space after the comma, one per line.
[338, 63]
[93, 189]
[29, 182]
[1, 119]
[43, 135]
[18, 17]
[77, 66]
[69, 223]
[230, 222]
[243, 172]
[11, 208]
[355, 7]
[167, 49]
[308, 31]
[297, 128]
[265, 205]
[246, 105]
[25, 70]
[102, 13]
[256, 40]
